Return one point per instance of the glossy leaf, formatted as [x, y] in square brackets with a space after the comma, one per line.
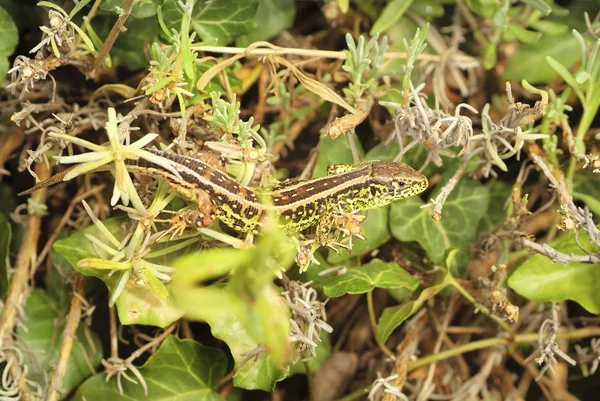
[541, 280]
[540, 5]
[394, 316]
[247, 311]
[499, 192]
[361, 279]
[335, 151]
[230, 319]
[586, 188]
[462, 213]
[272, 18]
[520, 64]
[8, 32]
[10, 38]
[141, 9]
[391, 14]
[181, 370]
[215, 22]
[41, 340]
[137, 304]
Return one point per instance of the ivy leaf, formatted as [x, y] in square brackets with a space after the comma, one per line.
[141, 8]
[496, 213]
[541, 280]
[394, 316]
[392, 12]
[10, 38]
[361, 279]
[462, 212]
[335, 151]
[230, 319]
[247, 312]
[272, 18]
[5, 237]
[137, 304]
[40, 342]
[376, 231]
[586, 188]
[215, 21]
[180, 370]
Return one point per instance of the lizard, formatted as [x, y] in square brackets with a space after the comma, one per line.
[298, 205]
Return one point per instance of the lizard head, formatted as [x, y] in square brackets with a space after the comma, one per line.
[391, 181]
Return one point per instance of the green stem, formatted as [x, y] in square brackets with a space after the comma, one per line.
[383, 347]
[481, 307]
[584, 125]
[476, 345]
[489, 342]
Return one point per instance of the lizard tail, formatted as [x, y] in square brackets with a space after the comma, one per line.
[60, 177]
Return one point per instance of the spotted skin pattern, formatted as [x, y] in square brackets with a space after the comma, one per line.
[297, 204]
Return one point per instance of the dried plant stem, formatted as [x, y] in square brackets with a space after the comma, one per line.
[555, 255]
[481, 308]
[114, 338]
[73, 319]
[436, 215]
[117, 28]
[25, 260]
[282, 51]
[383, 347]
[9, 143]
[63, 221]
[426, 388]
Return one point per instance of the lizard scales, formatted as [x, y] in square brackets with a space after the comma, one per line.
[298, 204]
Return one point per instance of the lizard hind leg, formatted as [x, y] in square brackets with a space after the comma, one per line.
[202, 216]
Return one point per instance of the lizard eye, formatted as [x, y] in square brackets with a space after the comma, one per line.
[402, 183]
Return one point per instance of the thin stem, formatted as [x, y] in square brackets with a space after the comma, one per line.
[383, 347]
[69, 336]
[280, 51]
[489, 342]
[117, 28]
[481, 307]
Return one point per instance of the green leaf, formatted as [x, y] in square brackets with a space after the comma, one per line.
[246, 312]
[141, 8]
[361, 279]
[394, 316]
[540, 5]
[181, 370]
[550, 27]
[522, 34]
[566, 75]
[231, 320]
[462, 212]
[5, 237]
[335, 151]
[216, 22]
[485, 8]
[541, 280]
[586, 188]
[375, 229]
[129, 48]
[272, 18]
[138, 304]
[496, 213]
[520, 65]
[40, 342]
[392, 12]
[9, 35]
